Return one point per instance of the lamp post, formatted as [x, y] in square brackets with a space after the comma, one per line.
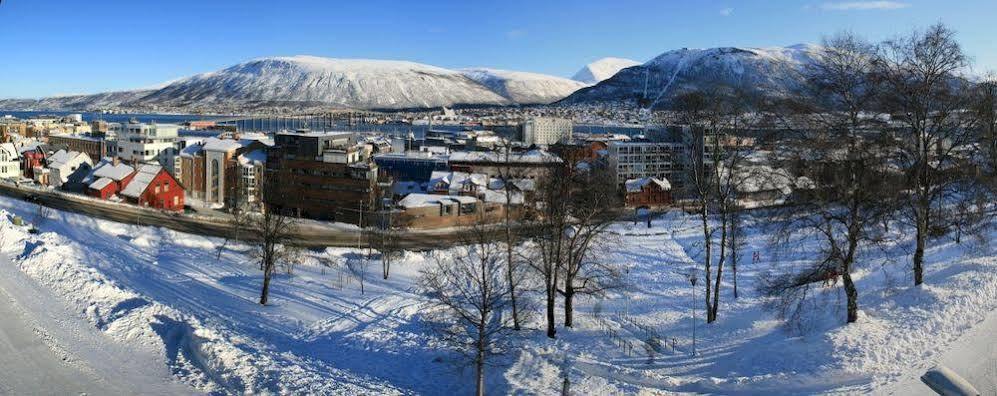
[692, 280]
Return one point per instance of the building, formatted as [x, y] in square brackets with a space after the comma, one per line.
[533, 164]
[10, 162]
[544, 131]
[457, 183]
[312, 176]
[108, 178]
[154, 187]
[67, 169]
[648, 192]
[93, 146]
[210, 171]
[638, 160]
[411, 165]
[252, 164]
[140, 143]
[441, 211]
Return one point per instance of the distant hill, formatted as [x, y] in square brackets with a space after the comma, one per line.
[769, 71]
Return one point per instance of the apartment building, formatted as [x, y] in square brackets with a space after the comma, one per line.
[319, 175]
[630, 160]
[140, 143]
[545, 131]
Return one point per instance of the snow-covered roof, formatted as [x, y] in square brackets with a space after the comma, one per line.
[10, 149]
[107, 168]
[516, 197]
[191, 150]
[63, 157]
[407, 187]
[532, 156]
[418, 200]
[457, 179]
[253, 157]
[141, 180]
[101, 183]
[215, 144]
[636, 185]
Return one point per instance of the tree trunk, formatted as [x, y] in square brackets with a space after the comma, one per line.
[511, 276]
[708, 248]
[569, 298]
[265, 294]
[479, 363]
[852, 295]
[922, 235]
[551, 331]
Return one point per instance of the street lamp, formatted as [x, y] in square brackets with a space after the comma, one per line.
[692, 280]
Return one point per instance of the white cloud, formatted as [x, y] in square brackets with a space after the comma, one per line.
[727, 11]
[863, 5]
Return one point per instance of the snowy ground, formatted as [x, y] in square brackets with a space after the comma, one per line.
[169, 295]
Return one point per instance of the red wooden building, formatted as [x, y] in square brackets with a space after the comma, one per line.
[108, 178]
[152, 186]
[648, 192]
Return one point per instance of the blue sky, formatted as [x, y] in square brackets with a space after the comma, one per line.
[52, 47]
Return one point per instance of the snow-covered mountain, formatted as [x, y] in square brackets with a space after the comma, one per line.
[75, 102]
[768, 71]
[602, 69]
[348, 83]
[523, 87]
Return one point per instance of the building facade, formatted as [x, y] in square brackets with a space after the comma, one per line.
[140, 143]
[638, 160]
[301, 179]
[96, 148]
[154, 187]
[545, 131]
[10, 162]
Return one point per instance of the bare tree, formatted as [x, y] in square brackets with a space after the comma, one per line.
[386, 241]
[272, 231]
[592, 197]
[508, 177]
[927, 97]
[845, 154]
[467, 284]
[549, 251]
[717, 119]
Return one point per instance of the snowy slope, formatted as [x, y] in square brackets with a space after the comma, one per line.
[169, 292]
[348, 83]
[76, 102]
[602, 69]
[524, 87]
[770, 71]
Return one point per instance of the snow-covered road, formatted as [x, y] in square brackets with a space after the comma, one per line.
[46, 350]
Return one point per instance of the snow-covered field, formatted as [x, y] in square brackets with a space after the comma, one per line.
[168, 293]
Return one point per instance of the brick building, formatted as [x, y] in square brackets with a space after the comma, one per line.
[317, 175]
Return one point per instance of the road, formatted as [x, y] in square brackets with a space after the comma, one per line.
[308, 233]
[46, 348]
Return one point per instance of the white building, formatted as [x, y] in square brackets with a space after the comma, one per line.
[68, 166]
[252, 165]
[638, 160]
[144, 143]
[544, 131]
[10, 162]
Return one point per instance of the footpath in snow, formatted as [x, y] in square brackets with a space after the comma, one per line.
[194, 311]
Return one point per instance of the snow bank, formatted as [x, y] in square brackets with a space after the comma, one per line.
[210, 359]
